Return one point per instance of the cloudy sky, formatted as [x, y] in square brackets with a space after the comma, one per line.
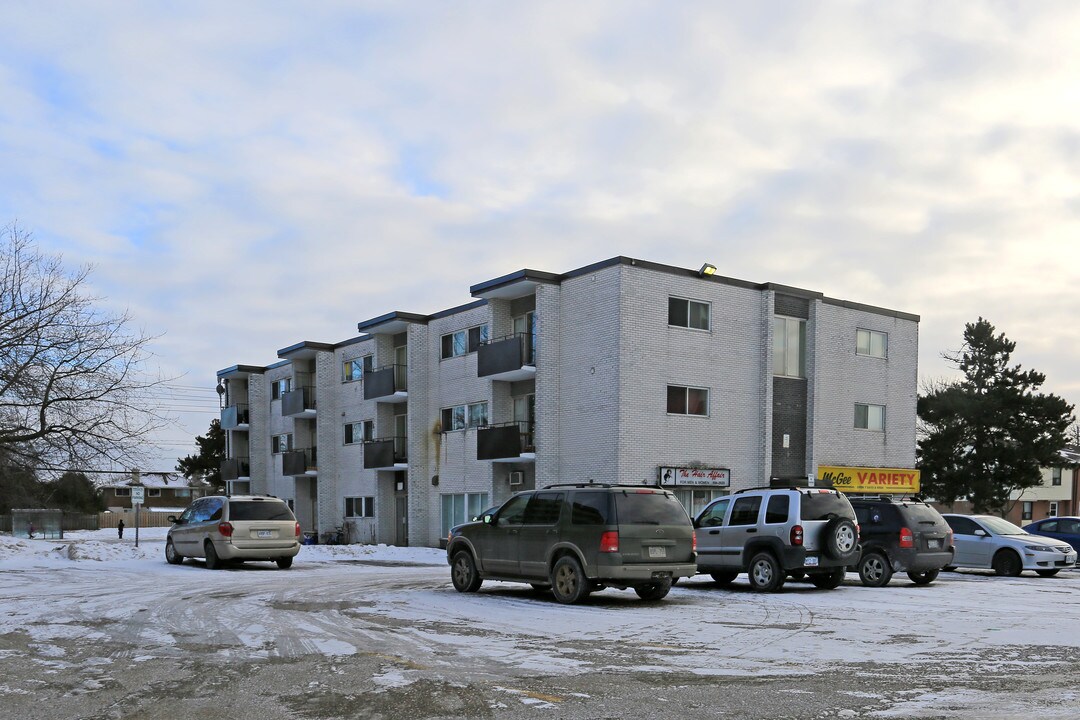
[244, 176]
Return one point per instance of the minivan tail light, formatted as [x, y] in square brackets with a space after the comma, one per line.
[693, 540]
[225, 528]
[297, 529]
[907, 540]
[796, 535]
[609, 542]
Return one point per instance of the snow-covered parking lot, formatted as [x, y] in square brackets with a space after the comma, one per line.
[95, 628]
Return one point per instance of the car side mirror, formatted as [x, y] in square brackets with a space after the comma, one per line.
[981, 533]
[489, 519]
[173, 520]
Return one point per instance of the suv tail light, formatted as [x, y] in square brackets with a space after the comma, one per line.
[297, 529]
[225, 528]
[796, 535]
[907, 540]
[693, 541]
[609, 542]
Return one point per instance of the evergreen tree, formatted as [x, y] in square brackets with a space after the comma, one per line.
[988, 435]
[74, 492]
[206, 465]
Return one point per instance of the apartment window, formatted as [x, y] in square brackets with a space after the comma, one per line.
[461, 342]
[460, 417]
[869, 417]
[359, 432]
[153, 492]
[1027, 511]
[682, 400]
[789, 346]
[280, 387]
[461, 507]
[122, 492]
[872, 343]
[360, 507]
[281, 443]
[688, 313]
[353, 370]
[1055, 476]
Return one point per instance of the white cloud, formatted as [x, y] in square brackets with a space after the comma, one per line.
[246, 176]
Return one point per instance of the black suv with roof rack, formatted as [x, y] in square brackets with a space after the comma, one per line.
[788, 528]
[575, 538]
[901, 535]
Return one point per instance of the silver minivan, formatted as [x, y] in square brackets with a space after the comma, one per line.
[225, 528]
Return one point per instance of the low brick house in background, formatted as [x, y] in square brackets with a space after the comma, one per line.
[163, 493]
[1058, 494]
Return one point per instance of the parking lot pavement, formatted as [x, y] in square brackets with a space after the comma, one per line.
[88, 634]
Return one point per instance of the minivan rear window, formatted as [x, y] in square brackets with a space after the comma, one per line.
[825, 506]
[649, 508]
[253, 510]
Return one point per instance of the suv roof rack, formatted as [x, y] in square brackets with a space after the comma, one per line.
[600, 485]
[797, 483]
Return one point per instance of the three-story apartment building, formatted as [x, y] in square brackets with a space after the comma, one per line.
[623, 371]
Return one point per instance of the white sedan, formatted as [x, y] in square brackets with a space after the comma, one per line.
[986, 541]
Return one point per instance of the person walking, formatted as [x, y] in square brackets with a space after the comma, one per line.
[120, 529]
[30, 531]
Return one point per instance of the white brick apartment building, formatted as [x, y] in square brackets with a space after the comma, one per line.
[623, 371]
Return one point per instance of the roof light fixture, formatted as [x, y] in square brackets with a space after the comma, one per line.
[706, 270]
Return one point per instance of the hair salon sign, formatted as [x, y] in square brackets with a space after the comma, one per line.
[695, 477]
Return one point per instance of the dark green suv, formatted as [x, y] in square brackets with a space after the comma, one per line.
[577, 538]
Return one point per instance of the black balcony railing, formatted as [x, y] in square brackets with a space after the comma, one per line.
[297, 401]
[386, 452]
[300, 462]
[234, 416]
[385, 381]
[504, 441]
[233, 468]
[510, 354]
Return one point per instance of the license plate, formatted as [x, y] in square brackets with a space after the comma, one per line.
[933, 544]
[657, 551]
[811, 561]
[266, 533]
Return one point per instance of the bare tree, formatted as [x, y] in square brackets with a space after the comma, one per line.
[72, 386]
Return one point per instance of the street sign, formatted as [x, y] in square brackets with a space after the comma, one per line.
[137, 495]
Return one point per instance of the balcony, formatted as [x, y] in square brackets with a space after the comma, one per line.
[235, 468]
[300, 462]
[506, 442]
[387, 454]
[235, 417]
[388, 384]
[510, 358]
[299, 402]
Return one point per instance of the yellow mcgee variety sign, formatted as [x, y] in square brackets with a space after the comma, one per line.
[871, 480]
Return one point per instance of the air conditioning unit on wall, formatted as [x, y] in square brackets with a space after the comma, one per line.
[517, 478]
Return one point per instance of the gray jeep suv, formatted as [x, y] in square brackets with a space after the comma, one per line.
[771, 533]
[573, 539]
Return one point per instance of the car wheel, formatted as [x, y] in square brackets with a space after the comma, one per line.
[841, 538]
[923, 578]
[724, 578]
[213, 562]
[463, 572]
[1007, 563]
[829, 580]
[765, 572]
[1047, 573]
[874, 570]
[284, 563]
[654, 591]
[568, 581]
[171, 556]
